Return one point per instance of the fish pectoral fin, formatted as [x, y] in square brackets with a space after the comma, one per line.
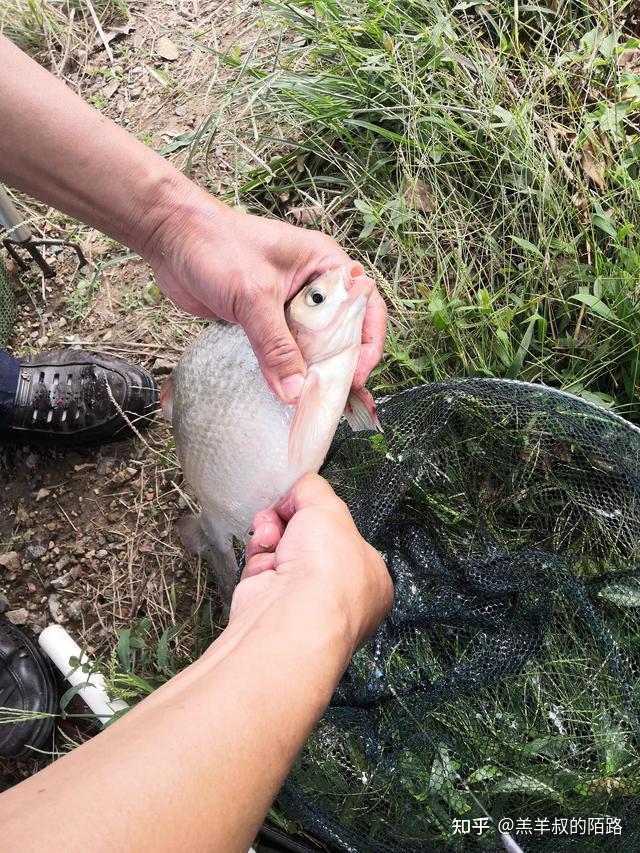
[360, 411]
[191, 533]
[218, 553]
[166, 398]
[306, 426]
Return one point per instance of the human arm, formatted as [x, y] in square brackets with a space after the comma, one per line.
[210, 259]
[196, 765]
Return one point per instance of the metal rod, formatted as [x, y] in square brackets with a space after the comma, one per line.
[10, 219]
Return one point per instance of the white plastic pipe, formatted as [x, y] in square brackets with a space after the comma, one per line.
[60, 647]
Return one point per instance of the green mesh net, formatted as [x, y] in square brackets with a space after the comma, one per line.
[6, 306]
[499, 703]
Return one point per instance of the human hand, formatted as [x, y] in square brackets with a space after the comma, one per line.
[214, 261]
[307, 559]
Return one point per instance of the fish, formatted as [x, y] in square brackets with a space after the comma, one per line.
[240, 447]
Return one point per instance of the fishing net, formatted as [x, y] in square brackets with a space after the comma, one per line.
[6, 306]
[501, 694]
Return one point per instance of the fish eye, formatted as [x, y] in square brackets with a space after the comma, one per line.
[315, 296]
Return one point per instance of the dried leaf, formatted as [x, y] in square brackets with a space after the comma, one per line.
[167, 49]
[306, 214]
[110, 89]
[418, 196]
[629, 59]
[592, 168]
[114, 33]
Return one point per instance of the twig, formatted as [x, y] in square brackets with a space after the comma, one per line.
[557, 154]
[103, 38]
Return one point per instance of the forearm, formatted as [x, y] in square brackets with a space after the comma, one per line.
[57, 148]
[193, 767]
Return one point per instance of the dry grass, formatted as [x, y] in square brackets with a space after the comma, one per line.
[55, 30]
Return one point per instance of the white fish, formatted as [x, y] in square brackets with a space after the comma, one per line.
[241, 448]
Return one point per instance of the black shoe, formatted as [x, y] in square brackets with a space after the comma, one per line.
[26, 684]
[65, 397]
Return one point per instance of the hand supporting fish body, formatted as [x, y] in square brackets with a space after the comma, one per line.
[241, 448]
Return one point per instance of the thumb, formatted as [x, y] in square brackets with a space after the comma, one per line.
[278, 354]
[311, 490]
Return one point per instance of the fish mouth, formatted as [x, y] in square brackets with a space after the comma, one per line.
[359, 285]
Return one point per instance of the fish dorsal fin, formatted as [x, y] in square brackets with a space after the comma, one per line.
[166, 398]
[306, 426]
[360, 411]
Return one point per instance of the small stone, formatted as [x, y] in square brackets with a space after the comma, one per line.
[74, 609]
[4, 602]
[11, 560]
[34, 551]
[55, 608]
[63, 562]
[42, 494]
[18, 617]
[62, 581]
[31, 461]
[101, 554]
[162, 366]
[180, 110]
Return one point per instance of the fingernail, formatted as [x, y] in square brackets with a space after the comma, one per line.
[292, 386]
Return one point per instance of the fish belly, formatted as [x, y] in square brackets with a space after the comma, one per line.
[231, 433]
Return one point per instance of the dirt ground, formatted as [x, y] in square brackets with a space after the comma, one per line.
[92, 530]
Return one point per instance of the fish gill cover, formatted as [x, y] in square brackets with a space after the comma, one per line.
[505, 677]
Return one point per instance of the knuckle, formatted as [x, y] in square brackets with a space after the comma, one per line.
[277, 348]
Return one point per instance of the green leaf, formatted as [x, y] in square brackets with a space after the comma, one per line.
[604, 223]
[612, 117]
[595, 303]
[608, 45]
[516, 365]
[162, 653]
[552, 746]
[525, 785]
[68, 695]
[484, 773]
[527, 246]
[623, 593]
[124, 649]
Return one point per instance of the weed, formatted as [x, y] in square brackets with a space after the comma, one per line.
[484, 164]
[37, 26]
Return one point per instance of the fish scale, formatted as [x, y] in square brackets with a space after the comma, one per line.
[234, 472]
[241, 448]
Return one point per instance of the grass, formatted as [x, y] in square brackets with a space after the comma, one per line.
[481, 156]
[52, 27]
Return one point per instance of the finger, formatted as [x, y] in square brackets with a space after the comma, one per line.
[266, 535]
[322, 253]
[374, 332]
[310, 491]
[267, 516]
[258, 564]
[278, 355]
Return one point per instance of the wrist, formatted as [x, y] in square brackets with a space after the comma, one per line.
[173, 209]
[289, 628]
